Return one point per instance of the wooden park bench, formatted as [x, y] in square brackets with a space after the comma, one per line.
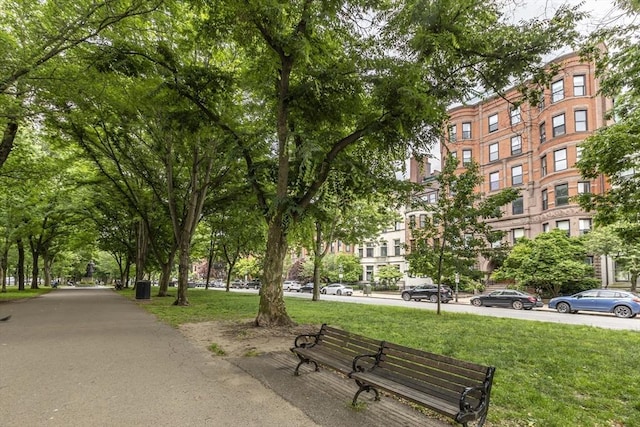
[457, 389]
[335, 349]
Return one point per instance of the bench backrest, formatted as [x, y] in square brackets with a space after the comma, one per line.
[433, 374]
[346, 346]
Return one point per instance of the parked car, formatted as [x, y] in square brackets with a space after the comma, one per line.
[508, 298]
[337, 289]
[428, 292]
[291, 285]
[306, 288]
[620, 303]
[238, 284]
[253, 284]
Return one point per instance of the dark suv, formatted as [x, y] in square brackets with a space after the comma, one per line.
[428, 292]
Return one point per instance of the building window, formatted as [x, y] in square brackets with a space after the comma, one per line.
[360, 251]
[453, 130]
[564, 225]
[560, 160]
[516, 145]
[579, 88]
[545, 227]
[369, 250]
[557, 91]
[412, 221]
[466, 130]
[516, 175]
[517, 206]
[396, 247]
[466, 157]
[432, 198]
[580, 117]
[518, 233]
[584, 226]
[559, 127]
[383, 249]
[543, 132]
[493, 152]
[541, 102]
[423, 220]
[515, 115]
[493, 122]
[494, 181]
[562, 194]
[545, 200]
[543, 165]
[369, 273]
[578, 153]
[584, 187]
[454, 154]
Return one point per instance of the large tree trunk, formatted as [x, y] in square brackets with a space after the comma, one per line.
[35, 269]
[20, 266]
[142, 246]
[4, 266]
[634, 280]
[165, 276]
[183, 269]
[48, 262]
[9, 135]
[272, 310]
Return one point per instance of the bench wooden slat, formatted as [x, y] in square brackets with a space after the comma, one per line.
[452, 387]
[335, 349]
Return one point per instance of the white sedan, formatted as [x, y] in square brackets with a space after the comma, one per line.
[291, 285]
[337, 289]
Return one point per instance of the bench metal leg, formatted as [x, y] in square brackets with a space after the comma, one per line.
[307, 361]
[367, 388]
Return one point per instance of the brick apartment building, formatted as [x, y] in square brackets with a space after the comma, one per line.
[534, 148]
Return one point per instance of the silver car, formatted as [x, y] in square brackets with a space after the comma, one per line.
[337, 289]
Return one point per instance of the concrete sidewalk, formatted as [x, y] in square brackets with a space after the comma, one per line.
[89, 357]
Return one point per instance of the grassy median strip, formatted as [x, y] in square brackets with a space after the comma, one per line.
[13, 293]
[548, 374]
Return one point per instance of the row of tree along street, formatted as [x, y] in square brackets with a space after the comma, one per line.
[133, 126]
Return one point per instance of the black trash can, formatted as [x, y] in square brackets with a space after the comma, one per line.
[143, 289]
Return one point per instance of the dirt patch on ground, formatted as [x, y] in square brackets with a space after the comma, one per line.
[243, 338]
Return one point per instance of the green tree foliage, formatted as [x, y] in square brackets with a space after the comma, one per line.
[613, 150]
[455, 231]
[552, 262]
[620, 240]
[327, 83]
[34, 35]
[389, 275]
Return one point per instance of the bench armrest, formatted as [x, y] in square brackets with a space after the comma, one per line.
[306, 340]
[358, 364]
[466, 406]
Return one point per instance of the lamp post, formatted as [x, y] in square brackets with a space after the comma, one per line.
[457, 281]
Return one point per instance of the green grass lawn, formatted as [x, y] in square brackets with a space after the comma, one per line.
[548, 374]
[14, 294]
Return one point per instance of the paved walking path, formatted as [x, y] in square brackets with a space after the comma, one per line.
[88, 357]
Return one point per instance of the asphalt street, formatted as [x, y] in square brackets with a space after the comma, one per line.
[89, 357]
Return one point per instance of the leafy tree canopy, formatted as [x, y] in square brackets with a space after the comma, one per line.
[553, 262]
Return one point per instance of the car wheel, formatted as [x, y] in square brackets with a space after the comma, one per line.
[338, 292]
[406, 296]
[476, 302]
[622, 311]
[517, 305]
[433, 298]
[563, 307]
